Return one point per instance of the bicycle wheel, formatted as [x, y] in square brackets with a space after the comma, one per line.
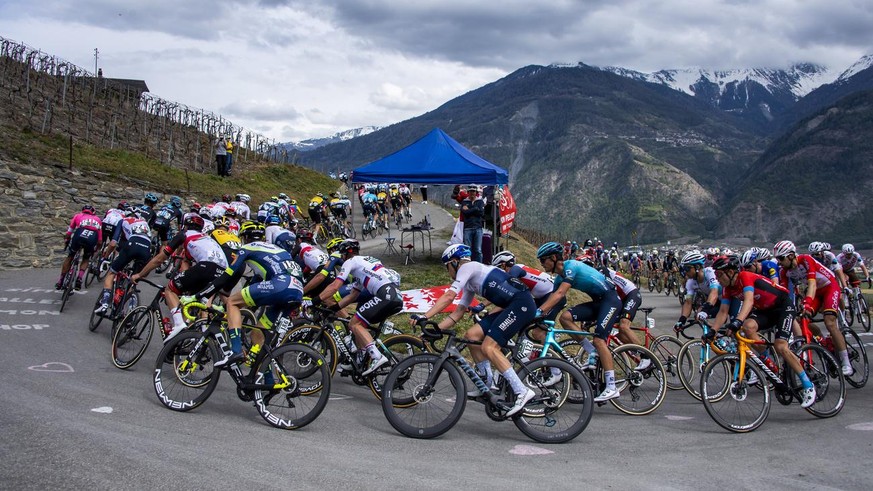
[91, 272]
[863, 313]
[304, 392]
[436, 408]
[692, 358]
[133, 337]
[642, 391]
[184, 376]
[129, 301]
[552, 416]
[96, 318]
[732, 403]
[858, 357]
[849, 313]
[316, 338]
[68, 285]
[666, 348]
[824, 372]
[397, 348]
[659, 285]
[651, 285]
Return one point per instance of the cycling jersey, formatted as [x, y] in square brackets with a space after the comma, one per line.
[368, 274]
[132, 226]
[316, 202]
[538, 282]
[228, 242]
[623, 286]
[807, 269]
[770, 269]
[165, 216]
[86, 222]
[280, 236]
[849, 261]
[586, 279]
[198, 247]
[766, 295]
[310, 257]
[709, 282]
[241, 209]
[113, 216]
[828, 260]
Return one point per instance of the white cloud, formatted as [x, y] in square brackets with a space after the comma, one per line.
[312, 68]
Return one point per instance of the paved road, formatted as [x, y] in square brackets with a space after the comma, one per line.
[58, 386]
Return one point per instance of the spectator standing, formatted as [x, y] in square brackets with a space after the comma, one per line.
[229, 164]
[423, 194]
[473, 215]
[220, 156]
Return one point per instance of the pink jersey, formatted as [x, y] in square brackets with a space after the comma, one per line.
[807, 269]
[88, 222]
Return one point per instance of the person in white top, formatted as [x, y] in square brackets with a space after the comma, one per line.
[369, 275]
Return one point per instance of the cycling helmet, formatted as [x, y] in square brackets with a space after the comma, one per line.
[90, 210]
[345, 196]
[848, 249]
[727, 252]
[816, 247]
[349, 246]
[123, 205]
[333, 244]
[503, 257]
[283, 196]
[274, 198]
[245, 198]
[550, 248]
[654, 252]
[226, 198]
[195, 207]
[763, 253]
[251, 231]
[749, 257]
[293, 201]
[692, 258]
[222, 222]
[827, 245]
[634, 255]
[176, 202]
[456, 251]
[305, 235]
[273, 220]
[194, 222]
[784, 248]
[725, 262]
[587, 259]
[150, 198]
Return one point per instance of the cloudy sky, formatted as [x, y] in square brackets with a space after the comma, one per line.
[294, 69]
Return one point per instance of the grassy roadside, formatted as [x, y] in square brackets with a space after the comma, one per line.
[259, 180]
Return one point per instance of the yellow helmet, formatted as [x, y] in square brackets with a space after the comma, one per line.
[333, 243]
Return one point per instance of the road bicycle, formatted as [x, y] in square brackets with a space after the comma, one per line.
[425, 395]
[135, 332]
[331, 337]
[642, 389]
[856, 308]
[741, 403]
[635, 277]
[854, 346]
[123, 298]
[70, 279]
[369, 226]
[695, 354]
[674, 285]
[288, 384]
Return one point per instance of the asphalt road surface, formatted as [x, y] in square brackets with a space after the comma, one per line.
[70, 420]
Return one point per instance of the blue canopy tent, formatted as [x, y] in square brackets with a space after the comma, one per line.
[434, 159]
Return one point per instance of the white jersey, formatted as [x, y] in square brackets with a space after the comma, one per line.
[201, 247]
[469, 279]
[846, 261]
[241, 209]
[273, 231]
[709, 282]
[208, 226]
[368, 273]
[312, 257]
[830, 261]
[135, 227]
[540, 283]
[113, 216]
[622, 284]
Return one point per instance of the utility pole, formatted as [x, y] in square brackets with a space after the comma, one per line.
[95, 71]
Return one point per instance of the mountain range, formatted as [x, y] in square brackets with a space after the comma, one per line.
[640, 157]
[313, 143]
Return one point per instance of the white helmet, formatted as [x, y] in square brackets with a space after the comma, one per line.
[693, 257]
[727, 251]
[848, 249]
[503, 257]
[763, 253]
[816, 247]
[748, 257]
[784, 248]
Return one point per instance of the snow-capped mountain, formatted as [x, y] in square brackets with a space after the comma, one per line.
[864, 63]
[313, 143]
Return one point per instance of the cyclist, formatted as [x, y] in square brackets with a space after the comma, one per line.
[85, 232]
[147, 209]
[764, 305]
[368, 204]
[604, 307]
[279, 289]
[382, 205]
[517, 310]
[849, 260]
[634, 264]
[315, 208]
[822, 293]
[406, 195]
[671, 265]
[241, 205]
[134, 232]
[165, 216]
[275, 233]
[698, 279]
[371, 276]
[654, 263]
[228, 240]
[293, 209]
[828, 260]
[113, 217]
[540, 283]
[396, 200]
[209, 261]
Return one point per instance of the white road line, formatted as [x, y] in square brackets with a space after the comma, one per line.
[861, 427]
[529, 450]
[102, 409]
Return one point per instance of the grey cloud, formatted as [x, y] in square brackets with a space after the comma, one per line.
[259, 110]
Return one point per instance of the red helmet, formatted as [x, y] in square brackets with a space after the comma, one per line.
[305, 235]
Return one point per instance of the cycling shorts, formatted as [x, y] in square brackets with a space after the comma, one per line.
[605, 312]
[137, 249]
[631, 303]
[163, 231]
[340, 213]
[277, 294]
[83, 239]
[780, 317]
[383, 208]
[827, 299]
[503, 325]
[195, 278]
[315, 215]
[385, 303]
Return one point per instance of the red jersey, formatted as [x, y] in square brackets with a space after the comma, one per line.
[766, 295]
[807, 269]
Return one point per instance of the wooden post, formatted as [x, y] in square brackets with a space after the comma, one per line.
[71, 152]
[188, 181]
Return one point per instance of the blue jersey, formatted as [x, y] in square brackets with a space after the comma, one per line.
[770, 269]
[584, 278]
[265, 260]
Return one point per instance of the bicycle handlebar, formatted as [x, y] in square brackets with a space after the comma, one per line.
[148, 282]
[201, 306]
[433, 333]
